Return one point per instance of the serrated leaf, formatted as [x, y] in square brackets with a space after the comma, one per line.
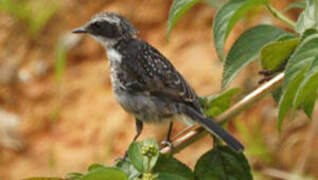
[139, 156]
[299, 63]
[300, 5]
[286, 100]
[247, 48]
[274, 54]
[105, 173]
[225, 19]
[169, 176]
[169, 164]
[303, 55]
[222, 163]
[309, 17]
[177, 9]
[217, 104]
[307, 91]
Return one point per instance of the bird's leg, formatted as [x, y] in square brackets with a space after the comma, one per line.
[139, 126]
[167, 142]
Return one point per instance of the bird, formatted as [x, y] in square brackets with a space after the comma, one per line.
[144, 82]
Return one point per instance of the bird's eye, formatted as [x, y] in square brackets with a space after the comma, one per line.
[96, 25]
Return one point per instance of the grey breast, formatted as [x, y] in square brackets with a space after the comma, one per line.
[145, 107]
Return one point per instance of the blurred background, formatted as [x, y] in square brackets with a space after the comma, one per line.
[57, 111]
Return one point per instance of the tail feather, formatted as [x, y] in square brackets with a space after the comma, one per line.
[210, 125]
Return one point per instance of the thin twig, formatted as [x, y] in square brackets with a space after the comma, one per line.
[195, 132]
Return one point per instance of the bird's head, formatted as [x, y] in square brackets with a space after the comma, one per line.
[108, 28]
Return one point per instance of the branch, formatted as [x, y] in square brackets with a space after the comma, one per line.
[195, 132]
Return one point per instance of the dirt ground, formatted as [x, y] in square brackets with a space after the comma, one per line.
[56, 128]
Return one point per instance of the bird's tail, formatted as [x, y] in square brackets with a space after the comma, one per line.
[210, 125]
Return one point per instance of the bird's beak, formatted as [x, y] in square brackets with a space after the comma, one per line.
[80, 30]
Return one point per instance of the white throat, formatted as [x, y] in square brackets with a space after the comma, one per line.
[113, 55]
[107, 43]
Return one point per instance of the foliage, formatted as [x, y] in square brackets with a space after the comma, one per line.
[296, 53]
[145, 163]
[274, 48]
[216, 104]
[225, 19]
[222, 163]
[178, 8]
[246, 49]
[35, 14]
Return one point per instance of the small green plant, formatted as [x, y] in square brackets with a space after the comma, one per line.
[34, 14]
[144, 162]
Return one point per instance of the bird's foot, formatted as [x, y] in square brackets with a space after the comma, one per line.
[268, 75]
[169, 144]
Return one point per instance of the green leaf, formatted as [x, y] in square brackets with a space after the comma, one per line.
[286, 100]
[275, 53]
[168, 164]
[105, 173]
[126, 166]
[303, 56]
[225, 19]
[308, 33]
[309, 103]
[222, 163]
[277, 93]
[302, 60]
[300, 5]
[309, 18]
[95, 166]
[247, 48]
[219, 103]
[307, 91]
[144, 155]
[177, 9]
[169, 176]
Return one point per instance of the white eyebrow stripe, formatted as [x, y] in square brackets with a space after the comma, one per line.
[114, 20]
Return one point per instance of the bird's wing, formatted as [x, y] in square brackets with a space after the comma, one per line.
[154, 73]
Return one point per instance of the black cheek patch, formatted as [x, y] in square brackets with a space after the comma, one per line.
[104, 29]
[110, 30]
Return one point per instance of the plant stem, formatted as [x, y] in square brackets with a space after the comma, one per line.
[195, 132]
[281, 16]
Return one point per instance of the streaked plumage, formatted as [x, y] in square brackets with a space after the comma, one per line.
[144, 82]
